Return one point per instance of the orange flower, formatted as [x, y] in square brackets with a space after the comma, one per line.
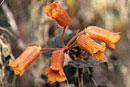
[55, 11]
[55, 71]
[88, 44]
[103, 35]
[26, 58]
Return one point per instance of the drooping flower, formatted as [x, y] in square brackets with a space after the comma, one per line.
[25, 59]
[55, 11]
[55, 71]
[103, 35]
[88, 44]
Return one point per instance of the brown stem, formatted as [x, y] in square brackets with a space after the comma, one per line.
[74, 38]
[80, 77]
[72, 45]
[50, 49]
[62, 37]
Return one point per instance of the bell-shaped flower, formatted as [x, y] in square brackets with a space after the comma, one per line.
[55, 71]
[25, 59]
[103, 35]
[88, 44]
[55, 11]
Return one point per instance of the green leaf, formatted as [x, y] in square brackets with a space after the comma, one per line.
[4, 23]
[47, 53]
[55, 42]
[70, 73]
[71, 35]
[92, 61]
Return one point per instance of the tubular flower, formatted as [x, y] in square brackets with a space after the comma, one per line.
[55, 71]
[26, 58]
[103, 35]
[55, 11]
[88, 44]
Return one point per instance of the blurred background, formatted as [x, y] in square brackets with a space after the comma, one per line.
[24, 23]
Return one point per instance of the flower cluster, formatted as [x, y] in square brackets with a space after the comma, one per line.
[85, 40]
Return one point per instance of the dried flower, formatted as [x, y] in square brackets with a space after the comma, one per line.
[55, 11]
[26, 58]
[103, 35]
[55, 71]
[88, 44]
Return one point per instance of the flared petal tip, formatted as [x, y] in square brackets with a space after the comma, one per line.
[55, 11]
[112, 45]
[103, 49]
[12, 63]
[18, 71]
[99, 55]
[54, 76]
[52, 10]
[114, 40]
[116, 37]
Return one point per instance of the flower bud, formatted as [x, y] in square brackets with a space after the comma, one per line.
[55, 11]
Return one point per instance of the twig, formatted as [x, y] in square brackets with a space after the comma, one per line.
[93, 80]
[72, 45]
[62, 37]
[10, 18]
[13, 24]
[50, 49]
[13, 81]
[2, 70]
[10, 33]
[80, 77]
[67, 82]
[71, 40]
[2, 2]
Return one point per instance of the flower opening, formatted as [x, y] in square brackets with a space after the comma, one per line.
[88, 44]
[103, 35]
[55, 11]
[55, 71]
[25, 59]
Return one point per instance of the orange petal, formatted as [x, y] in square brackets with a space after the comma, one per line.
[99, 55]
[60, 78]
[26, 58]
[18, 70]
[55, 11]
[57, 59]
[103, 35]
[55, 75]
[95, 49]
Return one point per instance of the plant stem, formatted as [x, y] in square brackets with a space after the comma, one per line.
[71, 40]
[93, 80]
[62, 37]
[80, 77]
[50, 49]
[72, 45]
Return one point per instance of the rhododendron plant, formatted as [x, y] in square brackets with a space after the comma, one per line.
[85, 41]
